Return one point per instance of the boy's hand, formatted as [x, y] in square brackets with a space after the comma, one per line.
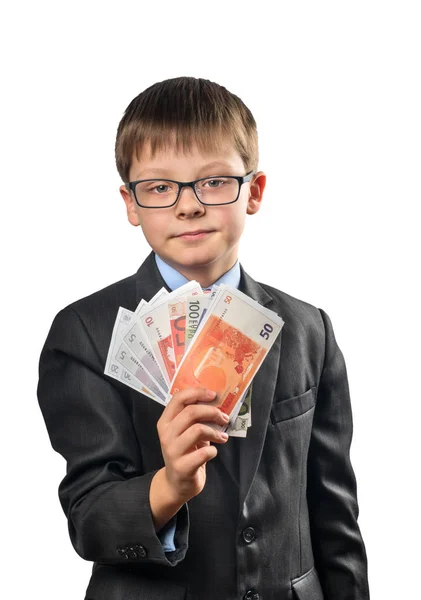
[185, 440]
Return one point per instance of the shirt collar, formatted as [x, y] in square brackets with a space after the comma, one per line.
[174, 279]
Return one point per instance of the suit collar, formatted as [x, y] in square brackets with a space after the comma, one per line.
[149, 280]
[253, 289]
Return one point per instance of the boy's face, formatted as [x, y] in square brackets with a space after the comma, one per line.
[207, 256]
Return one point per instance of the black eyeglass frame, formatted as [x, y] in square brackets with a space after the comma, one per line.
[131, 185]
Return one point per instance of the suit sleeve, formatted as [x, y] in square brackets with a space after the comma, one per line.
[339, 551]
[105, 493]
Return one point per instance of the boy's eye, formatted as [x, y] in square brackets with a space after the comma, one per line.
[213, 183]
[161, 187]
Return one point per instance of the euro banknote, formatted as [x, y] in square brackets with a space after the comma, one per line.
[240, 419]
[156, 324]
[228, 348]
[113, 367]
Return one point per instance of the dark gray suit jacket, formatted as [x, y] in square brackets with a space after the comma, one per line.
[277, 518]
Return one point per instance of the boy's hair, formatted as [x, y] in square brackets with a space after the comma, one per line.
[183, 112]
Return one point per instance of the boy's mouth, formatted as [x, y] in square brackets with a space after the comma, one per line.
[194, 235]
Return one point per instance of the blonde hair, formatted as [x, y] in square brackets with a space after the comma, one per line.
[184, 112]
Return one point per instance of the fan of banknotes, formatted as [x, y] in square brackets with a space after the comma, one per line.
[190, 338]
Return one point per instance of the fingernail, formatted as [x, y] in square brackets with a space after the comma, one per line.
[211, 394]
[225, 417]
[224, 435]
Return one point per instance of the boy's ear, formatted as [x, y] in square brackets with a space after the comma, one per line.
[257, 187]
[130, 202]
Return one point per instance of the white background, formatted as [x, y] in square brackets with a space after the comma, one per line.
[335, 90]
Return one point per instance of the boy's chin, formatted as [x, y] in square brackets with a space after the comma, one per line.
[191, 259]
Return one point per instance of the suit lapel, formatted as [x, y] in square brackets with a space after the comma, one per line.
[149, 280]
[263, 392]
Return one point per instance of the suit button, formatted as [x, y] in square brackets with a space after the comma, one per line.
[251, 595]
[140, 551]
[249, 535]
[131, 552]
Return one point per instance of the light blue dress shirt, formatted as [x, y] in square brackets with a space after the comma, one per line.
[174, 279]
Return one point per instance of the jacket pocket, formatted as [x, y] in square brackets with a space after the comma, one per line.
[307, 587]
[293, 407]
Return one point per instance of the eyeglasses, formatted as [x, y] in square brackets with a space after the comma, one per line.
[210, 191]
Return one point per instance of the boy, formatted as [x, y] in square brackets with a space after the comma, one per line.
[162, 503]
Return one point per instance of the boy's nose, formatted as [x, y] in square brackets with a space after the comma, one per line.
[188, 204]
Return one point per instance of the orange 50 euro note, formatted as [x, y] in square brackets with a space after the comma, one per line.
[228, 348]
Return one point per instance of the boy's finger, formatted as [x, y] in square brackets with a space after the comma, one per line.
[183, 398]
[194, 460]
[199, 432]
[196, 413]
